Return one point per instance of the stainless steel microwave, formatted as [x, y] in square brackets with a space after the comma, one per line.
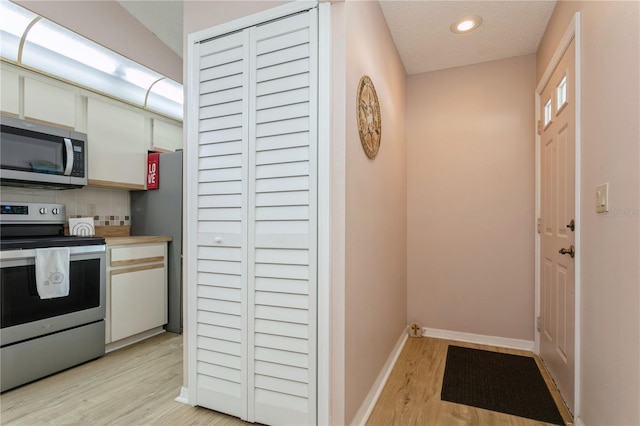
[41, 156]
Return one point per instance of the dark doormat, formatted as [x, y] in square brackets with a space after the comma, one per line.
[510, 384]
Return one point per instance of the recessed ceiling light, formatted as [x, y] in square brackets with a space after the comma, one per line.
[466, 24]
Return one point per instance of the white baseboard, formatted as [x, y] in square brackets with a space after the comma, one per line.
[503, 342]
[369, 402]
[579, 422]
[183, 398]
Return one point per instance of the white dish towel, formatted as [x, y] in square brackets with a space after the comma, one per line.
[52, 272]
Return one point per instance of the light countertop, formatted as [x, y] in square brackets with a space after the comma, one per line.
[116, 241]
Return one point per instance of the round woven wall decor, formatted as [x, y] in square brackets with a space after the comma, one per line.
[369, 120]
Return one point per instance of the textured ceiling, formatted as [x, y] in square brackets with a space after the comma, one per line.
[420, 30]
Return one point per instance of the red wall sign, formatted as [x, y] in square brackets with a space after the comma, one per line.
[153, 170]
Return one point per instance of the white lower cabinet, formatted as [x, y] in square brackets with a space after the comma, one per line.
[136, 289]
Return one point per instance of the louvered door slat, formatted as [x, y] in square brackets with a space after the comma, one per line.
[291, 96]
[288, 54]
[274, 356]
[283, 69]
[282, 285]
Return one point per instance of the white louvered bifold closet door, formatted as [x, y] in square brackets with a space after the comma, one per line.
[257, 222]
[222, 225]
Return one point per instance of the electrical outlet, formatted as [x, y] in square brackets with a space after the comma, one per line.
[414, 330]
[91, 209]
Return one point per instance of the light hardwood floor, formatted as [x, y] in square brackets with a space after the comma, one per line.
[137, 385]
[411, 395]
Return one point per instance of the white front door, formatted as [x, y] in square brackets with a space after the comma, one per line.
[557, 274]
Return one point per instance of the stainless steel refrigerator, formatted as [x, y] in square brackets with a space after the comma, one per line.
[159, 212]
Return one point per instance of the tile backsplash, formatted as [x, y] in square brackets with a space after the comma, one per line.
[110, 220]
[106, 206]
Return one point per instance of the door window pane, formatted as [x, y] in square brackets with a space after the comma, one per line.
[547, 113]
[561, 93]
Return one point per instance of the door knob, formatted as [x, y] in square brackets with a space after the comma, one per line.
[571, 251]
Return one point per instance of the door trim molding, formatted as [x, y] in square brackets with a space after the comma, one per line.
[190, 204]
[323, 281]
[573, 32]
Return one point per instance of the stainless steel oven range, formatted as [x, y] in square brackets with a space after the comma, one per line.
[41, 336]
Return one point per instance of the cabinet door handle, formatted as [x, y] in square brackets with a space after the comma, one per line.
[137, 268]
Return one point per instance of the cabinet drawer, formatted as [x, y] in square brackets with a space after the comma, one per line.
[124, 256]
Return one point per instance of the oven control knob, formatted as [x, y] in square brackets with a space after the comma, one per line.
[43, 210]
[55, 211]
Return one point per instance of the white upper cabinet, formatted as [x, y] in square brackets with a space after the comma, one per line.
[49, 103]
[117, 145]
[165, 136]
[10, 92]
[119, 135]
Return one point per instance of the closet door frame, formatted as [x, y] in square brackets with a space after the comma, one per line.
[188, 393]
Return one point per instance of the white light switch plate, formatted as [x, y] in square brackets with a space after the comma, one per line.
[602, 198]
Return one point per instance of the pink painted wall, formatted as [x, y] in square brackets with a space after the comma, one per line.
[609, 390]
[109, 24]
[470, 186]
[375, 260]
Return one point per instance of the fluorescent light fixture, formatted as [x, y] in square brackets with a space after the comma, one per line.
[169, 89]
[66, 43]
[58, 52]
[166, 96]
[12, 25]
[466, 24]
[14, 18]
[140, 76]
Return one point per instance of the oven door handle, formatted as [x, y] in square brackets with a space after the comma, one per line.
[31, 253]
[69, 163]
